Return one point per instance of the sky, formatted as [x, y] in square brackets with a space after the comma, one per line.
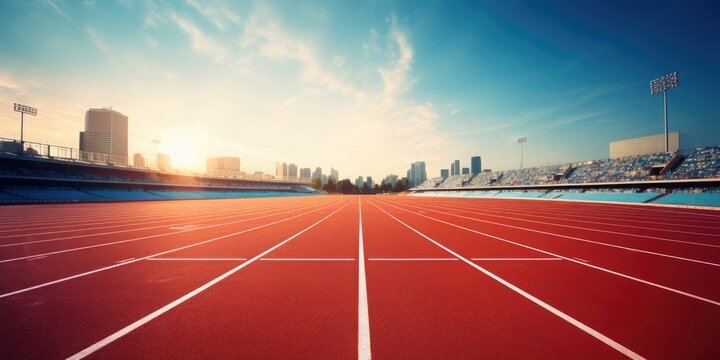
[364, 86]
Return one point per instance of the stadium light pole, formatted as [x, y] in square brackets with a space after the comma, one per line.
[24, 109]
[663, 84]
[520, 141]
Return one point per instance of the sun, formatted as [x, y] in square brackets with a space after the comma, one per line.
[184, 151]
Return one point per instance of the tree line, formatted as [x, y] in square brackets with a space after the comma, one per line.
[346, 186]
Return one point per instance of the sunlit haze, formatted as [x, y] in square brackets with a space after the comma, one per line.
[364, 86]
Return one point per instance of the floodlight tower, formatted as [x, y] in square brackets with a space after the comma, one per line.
[24, 109]
[663, 84]
[520, 141]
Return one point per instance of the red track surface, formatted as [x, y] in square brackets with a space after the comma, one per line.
[280, 278]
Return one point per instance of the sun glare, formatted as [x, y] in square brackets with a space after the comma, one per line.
[184, 151]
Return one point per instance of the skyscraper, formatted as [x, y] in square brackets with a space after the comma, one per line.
[106, 132]
[416, 174]
[292, 172]
[370, 181]
[359, 182]
[465, 171]
[305, 174]
[455, 168]
[391, 179]
[317, 174]
[475, 165]
[334, 175]
[444, 173]
[281, 171]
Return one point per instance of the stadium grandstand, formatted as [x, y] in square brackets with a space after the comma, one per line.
[32, 173]
[661, 178]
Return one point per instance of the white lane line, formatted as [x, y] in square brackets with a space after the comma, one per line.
[184, 228]
[583, 228]
[196, 259]
[145, 237]
[646, 282]
[157, 254]
[36, 257]
[583, 260]
[126, 260]
[517, 259]
[582, 239]
[590, 331]
[214, 218]
[307, 259]
[124, 331]
[412, 259]
[364, 352]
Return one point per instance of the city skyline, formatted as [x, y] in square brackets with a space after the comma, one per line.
[423, 80]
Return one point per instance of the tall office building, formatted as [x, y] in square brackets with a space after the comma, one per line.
[305, 174]
[391, 179]
[324, 179]
[293, 172]
[475, 165]
[223, 166]
[334, 175]
[281, 171]
[465, 171]
[106, 132]
[455, 168]
[359, 182]
[317, 174]
[370, 181]
[444, 173]
[417, 174]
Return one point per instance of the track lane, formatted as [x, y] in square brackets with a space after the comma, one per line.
[655, 323]
[447, 309]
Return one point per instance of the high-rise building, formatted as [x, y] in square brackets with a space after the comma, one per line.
[465, 171]
[370, 181]
[293, 172]
[455, 168]
[475, 165]
[281, 171]
[359, 182]
[223, 166]
[334, 175]
[305, 174]
[324, 179]
[416, 175]
[317, 174]
[391, 179]
[163, 162]
[106, 132]
[138, 160]
[444, 173]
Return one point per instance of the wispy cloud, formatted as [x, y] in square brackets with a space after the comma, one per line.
[97, 41]
[58, 10]
[218, 16]
[200, 42]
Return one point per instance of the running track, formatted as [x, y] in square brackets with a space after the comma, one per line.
[345, 277]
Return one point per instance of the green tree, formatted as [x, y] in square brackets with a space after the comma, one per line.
[316, 183]
[399, 186]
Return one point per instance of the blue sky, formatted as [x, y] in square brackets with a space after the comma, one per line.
[364, 86]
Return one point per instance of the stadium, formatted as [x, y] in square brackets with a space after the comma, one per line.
[110, 250]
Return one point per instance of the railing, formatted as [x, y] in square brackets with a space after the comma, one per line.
[29, 148]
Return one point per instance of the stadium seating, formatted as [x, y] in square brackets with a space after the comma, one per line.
[520, 194]
[701, 163]
[631, 168]
[53, 194]
[532, 176]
